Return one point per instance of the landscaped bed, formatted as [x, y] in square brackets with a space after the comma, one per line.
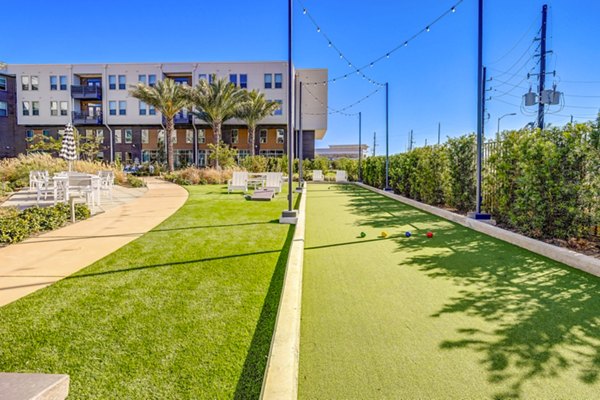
[185, 311]
[457, 316]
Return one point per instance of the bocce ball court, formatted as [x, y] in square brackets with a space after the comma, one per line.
[459, 315]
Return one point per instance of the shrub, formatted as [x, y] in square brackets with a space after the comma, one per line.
[134, 181]
[461, 188]
[16, 226]
[199, 176]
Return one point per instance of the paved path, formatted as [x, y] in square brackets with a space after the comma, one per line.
[38, 262]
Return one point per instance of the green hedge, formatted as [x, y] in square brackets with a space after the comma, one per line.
[545, 184]
[16, 226]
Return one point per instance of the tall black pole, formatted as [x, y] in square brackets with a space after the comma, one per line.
[387, 140]
[300, 141]
[480, 96]
[542, 67]
[290, 120]
[360, 146]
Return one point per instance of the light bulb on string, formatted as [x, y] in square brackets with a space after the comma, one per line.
[427, 29]
[318, 29]
[405, 43]
[329, 44]
[304, 11]
[371, 65]
[387, 55]
[453, 9]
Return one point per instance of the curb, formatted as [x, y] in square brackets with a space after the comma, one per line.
[571, 258]
[281, 374]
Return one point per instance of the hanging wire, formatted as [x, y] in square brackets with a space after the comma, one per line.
[341, 111]
[359, 70]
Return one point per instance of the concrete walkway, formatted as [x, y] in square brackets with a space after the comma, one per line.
[38, 262]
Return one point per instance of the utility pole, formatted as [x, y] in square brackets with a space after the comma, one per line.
[360, 146]
[387, 141]
[439, 131]
[290, 216]
[300, 141]
[542, 77]
[374, 142]
[480, 112]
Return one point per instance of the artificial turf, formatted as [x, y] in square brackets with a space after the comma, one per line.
[184, 312]
[458, 316]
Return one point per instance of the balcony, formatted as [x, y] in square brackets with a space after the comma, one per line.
[86, 92]
[183, 119]
[80, 118]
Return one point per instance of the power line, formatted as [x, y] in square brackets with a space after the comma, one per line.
[533, 23]
[359, 70]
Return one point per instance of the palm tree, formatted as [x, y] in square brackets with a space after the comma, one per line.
[216, 102]
[255, 109]
[169, 98]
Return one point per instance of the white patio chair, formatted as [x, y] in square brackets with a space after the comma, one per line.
[35, 177]
[107, 180]
[82, 186]
[274, 181]
[317, 175]
[340, 176]
[239, 181]
[42, 187]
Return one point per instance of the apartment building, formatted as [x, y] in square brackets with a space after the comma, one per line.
[95, 99]
[8, 115]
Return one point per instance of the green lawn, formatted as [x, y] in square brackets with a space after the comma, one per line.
[459, 316]
[184, 312]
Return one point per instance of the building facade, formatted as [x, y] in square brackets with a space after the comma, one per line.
[95, 99]
[8, 115]
[337, 151]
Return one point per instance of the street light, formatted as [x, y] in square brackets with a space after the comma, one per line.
[498, 132]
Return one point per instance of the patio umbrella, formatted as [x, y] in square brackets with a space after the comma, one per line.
[68, 150]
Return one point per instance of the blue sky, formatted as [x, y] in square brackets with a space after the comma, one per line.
[432, 80]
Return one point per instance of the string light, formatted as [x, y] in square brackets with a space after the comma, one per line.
[359, 70]
[341, 111]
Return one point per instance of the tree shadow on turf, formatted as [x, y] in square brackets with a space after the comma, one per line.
[546, 315]
[250, 382]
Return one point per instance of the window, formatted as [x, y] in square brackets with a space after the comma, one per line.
[3, 84]
[122, 108]
[54, 108]
[3, 109]
[202, 158]
[151, 110]
[241, 154]
[142, 79]
[89, 133]
[268, 81]
[202, 76]
[233, 79]
[151, 80]
[235, 136]
[112, 82]
[53, 82]
[35, 83]
[142, 108]
[278, 81]
[26, 108]
[112, 107]
[189, 136]
[280, 135]
[145, 136]
[262, 136]
[271, 153]
[25, 82]
[122, 82]
[243, 81]
[118, 156]
[29, 134]
[211, 78]
[128, 136]
[118, 136]
[63, 82]
[64, 108]
[100, 135]
[201, 136]
[46, 135]
[279, 110]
